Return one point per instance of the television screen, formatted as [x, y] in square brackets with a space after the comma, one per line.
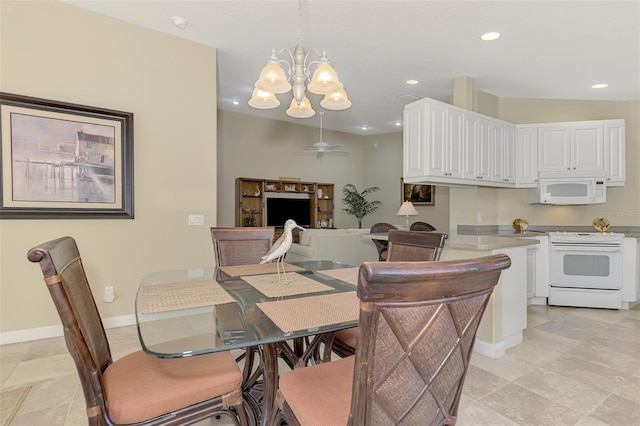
[281, 209]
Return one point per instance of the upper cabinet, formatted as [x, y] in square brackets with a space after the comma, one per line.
[447, 144]
[450, 145]
[571, 147]
[432, 141]
[614, 154]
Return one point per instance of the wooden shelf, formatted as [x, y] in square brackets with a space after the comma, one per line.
[250, 195]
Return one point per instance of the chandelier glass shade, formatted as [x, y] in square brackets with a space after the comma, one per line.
[263, 100]
[274, 80]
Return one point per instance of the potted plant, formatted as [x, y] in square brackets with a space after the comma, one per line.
[250, 221]
[357, 203]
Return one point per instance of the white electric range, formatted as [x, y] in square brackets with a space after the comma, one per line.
[585, 269]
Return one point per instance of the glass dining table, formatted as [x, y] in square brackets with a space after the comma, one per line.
[182, 313]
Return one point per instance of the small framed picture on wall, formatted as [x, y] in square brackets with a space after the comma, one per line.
[418, 194]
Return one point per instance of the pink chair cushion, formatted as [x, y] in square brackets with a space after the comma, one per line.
[348, 336]
[140, 387]
[320, 395]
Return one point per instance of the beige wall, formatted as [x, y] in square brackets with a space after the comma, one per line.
[55, 51]
[250, 146]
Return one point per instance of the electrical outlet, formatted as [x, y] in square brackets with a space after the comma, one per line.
[109, 295]
[196, 219]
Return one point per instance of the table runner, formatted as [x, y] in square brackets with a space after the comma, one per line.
[348, 275]
[299, 284]
[190, 294]
[256, 269]
[313, 311]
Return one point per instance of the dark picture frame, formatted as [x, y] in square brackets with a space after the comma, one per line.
[64, 161]
[418, 194]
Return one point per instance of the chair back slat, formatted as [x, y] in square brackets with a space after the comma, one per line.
[415, 246]
[418, 323]
[241, 246]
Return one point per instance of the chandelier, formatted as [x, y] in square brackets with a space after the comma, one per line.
[274, 80]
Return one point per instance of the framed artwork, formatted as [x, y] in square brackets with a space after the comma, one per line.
[64, 161]
[418, 194]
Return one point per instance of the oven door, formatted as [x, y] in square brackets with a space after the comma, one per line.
[576, 265]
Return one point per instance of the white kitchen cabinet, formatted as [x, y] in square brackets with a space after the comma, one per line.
[414, 157]
[503, 153]
[614, 152]
[531, 272]
[450, 145]
[526, 156]
[433, 142]
[444, 141]
[476, 148]
[571, 147]
[541, 271]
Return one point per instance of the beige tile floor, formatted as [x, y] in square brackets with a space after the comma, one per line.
[575, 366]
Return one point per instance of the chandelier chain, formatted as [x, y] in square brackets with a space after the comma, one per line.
[299, 21]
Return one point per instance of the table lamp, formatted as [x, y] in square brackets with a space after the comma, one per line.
[406, 210]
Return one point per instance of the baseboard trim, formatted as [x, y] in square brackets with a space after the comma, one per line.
[26, 335]
[492, 350]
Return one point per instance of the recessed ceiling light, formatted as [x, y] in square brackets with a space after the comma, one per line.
[235, 102]
[179, 22]
[600, 86]
[398, 123]
[412, 81]
[490, 36]
[364, 128]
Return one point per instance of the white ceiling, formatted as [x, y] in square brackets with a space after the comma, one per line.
[548, 49]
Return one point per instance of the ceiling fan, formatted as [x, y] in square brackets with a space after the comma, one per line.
[321, 146]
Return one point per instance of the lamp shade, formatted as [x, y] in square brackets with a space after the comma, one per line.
[263, 100]
[303, 110]
[273, 79]
[407, 209]
[336, 101]
[324, 80]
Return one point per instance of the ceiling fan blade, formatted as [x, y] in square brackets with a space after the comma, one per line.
[319, 154]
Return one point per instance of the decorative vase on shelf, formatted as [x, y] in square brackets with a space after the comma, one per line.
[319, 193]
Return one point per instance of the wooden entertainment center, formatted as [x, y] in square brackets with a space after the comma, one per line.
[252, 195]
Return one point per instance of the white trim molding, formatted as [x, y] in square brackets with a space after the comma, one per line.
[26, 335]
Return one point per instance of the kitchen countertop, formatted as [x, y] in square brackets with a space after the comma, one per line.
[486, 242]
[507, 231]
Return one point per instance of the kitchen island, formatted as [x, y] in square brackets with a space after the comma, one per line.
[506, 315]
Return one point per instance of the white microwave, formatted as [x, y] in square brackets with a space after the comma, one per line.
[561, 191]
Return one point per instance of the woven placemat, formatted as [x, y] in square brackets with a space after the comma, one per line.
[296, 284]
[256, 269]
[313, 311]
[175, 296]
[348, 275]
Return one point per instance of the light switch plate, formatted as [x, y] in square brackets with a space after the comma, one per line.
[196, 219]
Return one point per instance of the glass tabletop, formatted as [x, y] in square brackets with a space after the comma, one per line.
[185, 329]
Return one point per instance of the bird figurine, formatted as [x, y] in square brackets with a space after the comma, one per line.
[280, 248]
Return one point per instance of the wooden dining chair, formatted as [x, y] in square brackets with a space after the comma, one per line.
[137, 389]
[381, 245]
[404, 246]
[418, 323]
[241, 246]
[421, 226]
